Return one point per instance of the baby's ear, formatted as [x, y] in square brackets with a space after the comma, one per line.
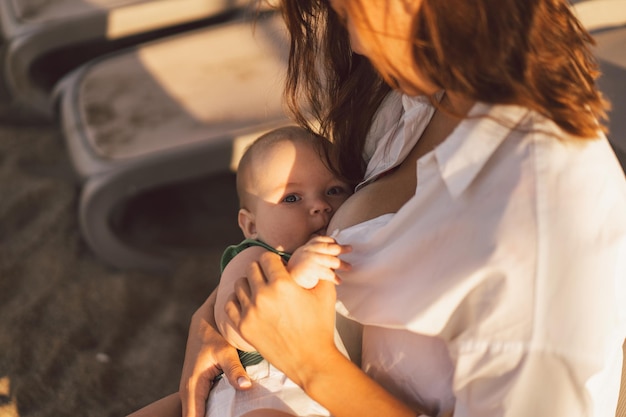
[247, 223]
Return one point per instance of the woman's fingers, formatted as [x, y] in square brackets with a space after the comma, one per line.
[195, 388]
[233, 307]
[268, 269]
[204, 357]
[277, 317]
[242, 298]
[195, 404]
[243, 290]
[246, 288]
[235, 373]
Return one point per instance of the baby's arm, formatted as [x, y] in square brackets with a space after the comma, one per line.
[317, 259]
[237, 268]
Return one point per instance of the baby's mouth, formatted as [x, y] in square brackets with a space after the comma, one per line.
[319, 232]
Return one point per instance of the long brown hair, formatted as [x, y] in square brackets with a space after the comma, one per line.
[341, 90]
[533, 53]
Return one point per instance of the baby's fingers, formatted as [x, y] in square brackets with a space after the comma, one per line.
[306, 281]
[311, 279]
[328, 248]
[332, 262]
[322, 239]
[323, 268]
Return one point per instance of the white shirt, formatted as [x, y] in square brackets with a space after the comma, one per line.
[499, 289]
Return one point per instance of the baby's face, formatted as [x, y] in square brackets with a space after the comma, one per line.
[294, 195]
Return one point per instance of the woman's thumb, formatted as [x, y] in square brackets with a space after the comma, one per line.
[236, 374]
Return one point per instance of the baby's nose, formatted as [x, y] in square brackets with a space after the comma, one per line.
[321, 206]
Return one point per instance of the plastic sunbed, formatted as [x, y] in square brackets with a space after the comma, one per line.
[39, 40]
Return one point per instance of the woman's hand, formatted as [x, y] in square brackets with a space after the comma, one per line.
[206, 355]
[293, 328]
[316, 260]
[289, 325]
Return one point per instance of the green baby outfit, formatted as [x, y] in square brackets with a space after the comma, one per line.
[248, 358]
[235, 250]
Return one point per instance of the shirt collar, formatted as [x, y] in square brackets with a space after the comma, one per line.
[466, 151]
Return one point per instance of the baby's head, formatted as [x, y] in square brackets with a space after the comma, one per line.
[287, 193]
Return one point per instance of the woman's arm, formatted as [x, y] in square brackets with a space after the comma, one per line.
[207, 354]
[345, 390]
[293, 329]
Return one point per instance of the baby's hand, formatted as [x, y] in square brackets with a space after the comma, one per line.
[317, 259]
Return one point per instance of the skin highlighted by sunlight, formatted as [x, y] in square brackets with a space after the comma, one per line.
[8, 405]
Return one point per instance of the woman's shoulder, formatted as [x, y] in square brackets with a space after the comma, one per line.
[584, 162]
[538, 138]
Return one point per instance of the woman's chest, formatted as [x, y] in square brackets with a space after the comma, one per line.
[392, 189]
[385, 195]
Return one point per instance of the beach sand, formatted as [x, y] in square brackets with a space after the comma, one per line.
[79, 337]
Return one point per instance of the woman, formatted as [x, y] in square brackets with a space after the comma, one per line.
[488, 233]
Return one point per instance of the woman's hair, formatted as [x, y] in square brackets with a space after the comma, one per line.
[533, 53]
[341, 90]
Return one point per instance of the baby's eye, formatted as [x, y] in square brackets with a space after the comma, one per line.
[336, 191]
[291, 198]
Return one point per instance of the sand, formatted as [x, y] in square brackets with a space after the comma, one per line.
[79, 337]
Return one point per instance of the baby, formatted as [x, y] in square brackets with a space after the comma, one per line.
[287, 196]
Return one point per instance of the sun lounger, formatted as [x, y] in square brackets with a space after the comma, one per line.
[165, 112]
[41, 40]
